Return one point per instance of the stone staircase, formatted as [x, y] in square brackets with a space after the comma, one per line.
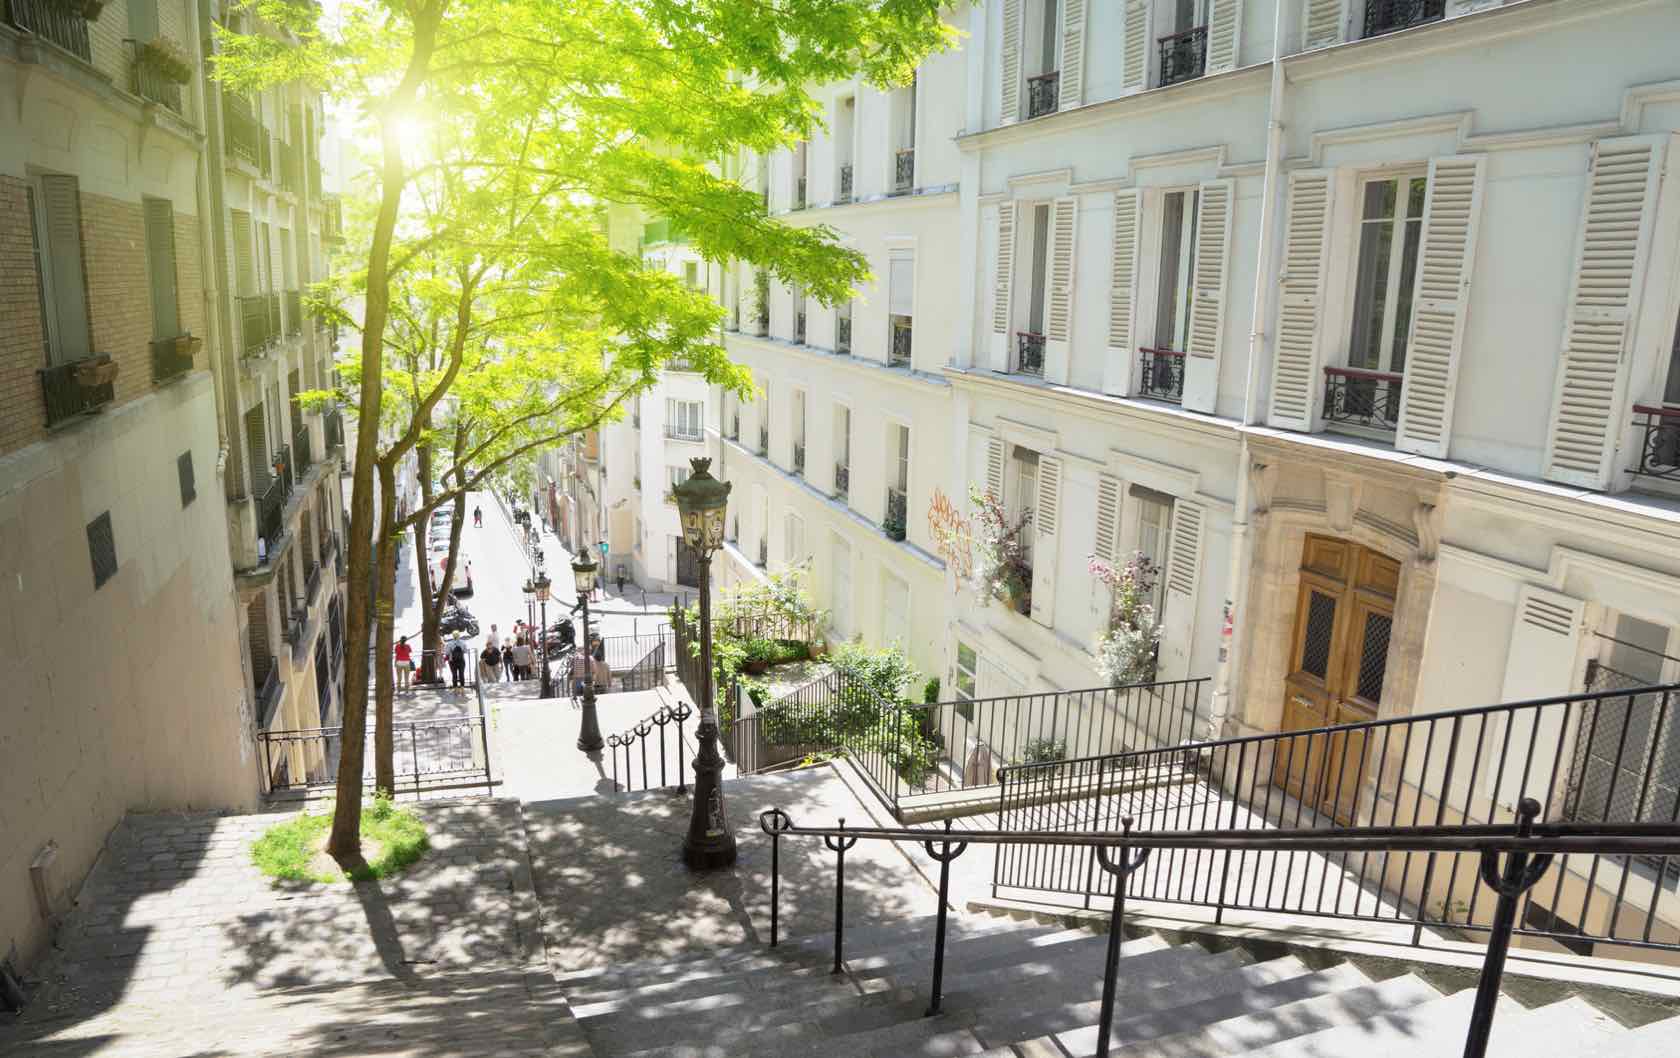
[1020, 989]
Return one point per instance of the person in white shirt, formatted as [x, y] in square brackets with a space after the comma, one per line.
[494, 640]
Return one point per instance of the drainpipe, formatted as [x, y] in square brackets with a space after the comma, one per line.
[1229, 673]
[212, 208]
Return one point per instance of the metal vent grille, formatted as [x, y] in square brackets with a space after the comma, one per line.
[1373, 656]
[1321, 622]
[102, 548]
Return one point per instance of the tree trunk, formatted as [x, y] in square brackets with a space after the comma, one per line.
[345, 841]
[384, 688]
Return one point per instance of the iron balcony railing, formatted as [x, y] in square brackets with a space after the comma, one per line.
[69, 391]
[632, 744]
[763, 440]
[799, 327]
[247, 138]
[312, 583]
[898, 355]
[1042, 93]
[171, 358]
[294, 312]
[799, 458]
[682, 433]
[259, 323]
[1531, 850]
[55, 22]
[1183, 55]
[1386, 16]
[799, 194]
[1029, 353]
[268, 695]
[893, 523]
[303, 448]
[904, 170]
[1357, 397]
[1659, 448]
[843, 335]
[281, 462]
[845, 182]
[145, 81]
[332, 219]
[1161, 374]
[271, 515]
[333, 422]
[842, 480]
[763, 553]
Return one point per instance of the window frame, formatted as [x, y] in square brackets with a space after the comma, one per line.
[1392, 324]
[1184, 284]
[965, 696]
[1141, 501]
[677, 411]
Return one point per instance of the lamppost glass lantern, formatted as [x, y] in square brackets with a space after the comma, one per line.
[541, 585]
[584, 570]
[701, 502]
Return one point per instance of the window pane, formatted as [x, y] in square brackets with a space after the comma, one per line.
[1379, 200]
[1040, 251]
[1403, 304]
[1376, 240]
[1415, 196]
[1172, 235]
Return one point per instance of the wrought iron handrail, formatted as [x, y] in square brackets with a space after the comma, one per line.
[1528, 847]
[254, 324]
[904, 169]
[1029, 353]
[1183, 55]
[1042, 93]
[148, 82]
[637, 735]
[1161, 374]
[271, 509]
[1361, 397]
[1387, 16]
[1659, 448]
[168, 360]
[445, 753]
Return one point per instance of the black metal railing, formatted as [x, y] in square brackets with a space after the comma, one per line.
[294, 311]
[281, 463]
[898, 355]
[1183, 56]
[845, 183]
[269, 691]
[1659, 447]
[632, 744]
[799, 327]
[904, 170]
[799, 458]
[683, 433]
[312, 583]
[259, 327]
[1386, 16]
[1161, 374]
[147, 82]
[69, 390]
[763, 553]
[247, 138]
[799, 193]
[763, 440]
[171, 358]
[451, 753]
[55, 22]
[1357, 397]
[303, 450]
[1043, 93]
[843, 335]
[894, 522]
[1530, 849]
[636, 662]
[271, 514]
[842, 480]
[333, 424]
[1603, 758]
[1029, 353]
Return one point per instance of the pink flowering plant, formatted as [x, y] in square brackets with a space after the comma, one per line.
[1002, 559]
[1126, 652]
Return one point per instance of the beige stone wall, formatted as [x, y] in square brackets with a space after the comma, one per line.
[128, 696]
[23, 416]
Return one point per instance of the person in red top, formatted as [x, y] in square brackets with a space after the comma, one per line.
[405, 662]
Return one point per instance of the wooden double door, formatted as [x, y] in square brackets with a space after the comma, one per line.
[1344, 615]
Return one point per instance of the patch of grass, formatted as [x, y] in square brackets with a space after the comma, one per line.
[296, 849]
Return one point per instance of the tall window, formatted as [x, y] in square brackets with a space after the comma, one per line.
[901, 471]
[1390, 229]
[962, 679]
[1040, 267]
[55, 211]
[685, 419]
[676, 476]
[1154, 522]
[1178, 270]
[895, 609]
[160, 266]
[842, 450]
[1020, 490]
[793, 539]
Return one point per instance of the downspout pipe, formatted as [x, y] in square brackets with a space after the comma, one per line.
[212, 208]
[1228, 675]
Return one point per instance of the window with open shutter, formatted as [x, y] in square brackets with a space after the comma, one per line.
[1134, 48]
[1047, 511]
[1058, 316]
[1611, 251]
[1010, 110]
[1182, 578]
[994, 468]
[1439, 304]
[1003, 273]
[1224, 28]
[901, 277]
[160, 265]
[59, 232]
[1322, 22]
[1072, 89]
[1106, 546]
[1296, 337]
[1541, 663]
[1122, 292]
[1207, 307]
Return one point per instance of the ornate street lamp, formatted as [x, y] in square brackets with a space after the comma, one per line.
[540, 585]
[701, 501]
[589, 738]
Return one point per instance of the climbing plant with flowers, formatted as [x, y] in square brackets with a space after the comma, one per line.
[1126, 652]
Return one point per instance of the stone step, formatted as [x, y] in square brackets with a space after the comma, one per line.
[1571, 1026]
[1429, 1030]
[1024, 990]
[1048, 954]
[880, 1026]
[1660, 1039]
[1255, 1001]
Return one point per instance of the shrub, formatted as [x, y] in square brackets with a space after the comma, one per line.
[930, 690]
[1042, 750]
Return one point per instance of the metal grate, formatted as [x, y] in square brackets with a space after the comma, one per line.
[1627, 758]
[1373, 657]
[102, 547]
[184, 469]
[1321, 621]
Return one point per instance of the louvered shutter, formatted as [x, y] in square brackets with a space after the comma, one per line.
[1224, 29]
[1071, 91]
[1003, 274]
[160, 265]
[1058, 311]
[1134, 48]
[1541, 663]
[1207, 311]
[1322, 22]
[994, 468]
[61, 202]
[1009, 111]
[1106, 546]
[143, 20]
[901, 276]
[1446, 257]
[1183, 577]
[244, 273]
[1611, 251]
[1296, 338]
[1122, 294]
[1047, 516]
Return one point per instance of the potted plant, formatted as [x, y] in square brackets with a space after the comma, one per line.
[1126, 652]
[1002, 559]
[96, 371]
[188, 345]
[167, 59]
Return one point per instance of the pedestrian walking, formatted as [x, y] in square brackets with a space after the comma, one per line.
[495, 639]
[489, 665]
[522, 658]
[580, 671]
[457, 663]
[404, 655]
[478, 517]
[507, 662]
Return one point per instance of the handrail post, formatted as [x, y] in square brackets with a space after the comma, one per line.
[839, 845]
[945, 855]
[1520, 873]
[775, 821]
[1121, 869]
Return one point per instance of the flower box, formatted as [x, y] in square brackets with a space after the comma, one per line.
[167, 59]
[96, 371]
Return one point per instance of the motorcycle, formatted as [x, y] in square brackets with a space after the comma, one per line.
[458, 620]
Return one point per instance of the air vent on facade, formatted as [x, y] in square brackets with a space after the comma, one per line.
[1546, 614]
[184, 467]
[102, 548]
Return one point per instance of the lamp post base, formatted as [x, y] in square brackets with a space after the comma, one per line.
[589, 739]
[708, 854]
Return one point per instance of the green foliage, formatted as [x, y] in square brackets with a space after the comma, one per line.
[291, 850]
[884, 674]
[1042, 750]
[930, 690]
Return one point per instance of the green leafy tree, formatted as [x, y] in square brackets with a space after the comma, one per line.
[574, 105]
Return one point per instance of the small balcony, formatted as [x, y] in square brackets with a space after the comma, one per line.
[799, 193]
[1161, 374]
[1183, 56]
[148, 82]
[799, 327]
[1369, 401]
[799, 459]
[303, 448]
[312, 582]
[55, 22]
[271, 515]
[284, 471]
[683, 433]
[843, 335]
[173, 357]
[247, 138]
[764, 440]
[899, 354]
[763, 553]
[845, 194]
[291, 168]
[294, 312]
[1043, 93]
[1029, 354]
[1659, 448]
[1387, 16]
[893, 525]
[259, 323]
[81, 387]
[842, 480]
[333, 422]
[904, 170]
[332, 219]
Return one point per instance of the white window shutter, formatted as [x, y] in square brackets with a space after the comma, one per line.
[1003, 274]
[1122, 294]
[1610, 256]
[1047, 516]
[901, 277]
[1134, 49]
[160, 266]
[1108, 518]
[1446, 259]
[1323, 22]
[994, 468]
[1183, 578]
[1295, 380]
[1224, 29]
[1058, 312]
[1010, 110]
[1541, 663]
[1207, 312]
[62, 204]
[1071, 90]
